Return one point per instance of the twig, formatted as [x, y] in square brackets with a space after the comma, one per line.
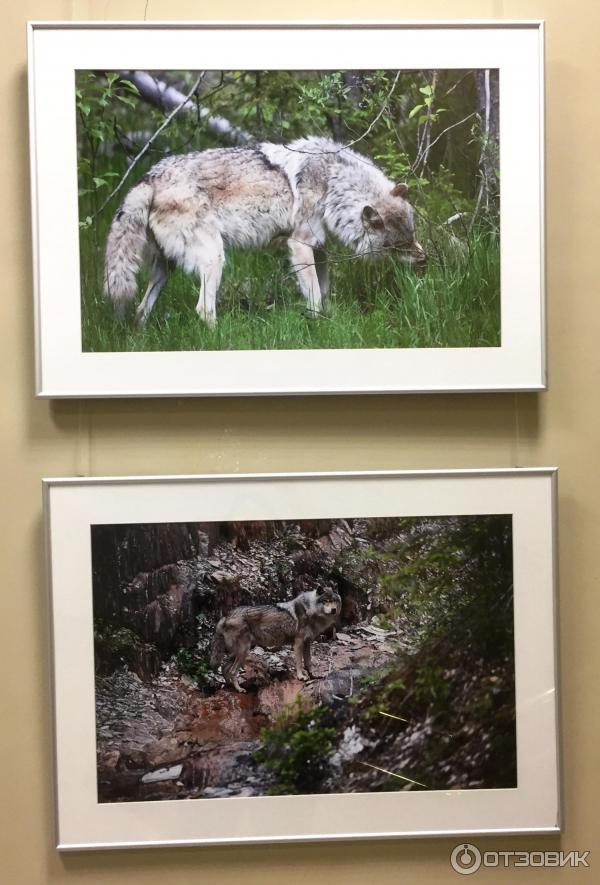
[424, 143]
[435, 140]
[150, 141]
[380, 114]
[393, 774]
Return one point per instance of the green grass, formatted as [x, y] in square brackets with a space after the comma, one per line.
[373, 304]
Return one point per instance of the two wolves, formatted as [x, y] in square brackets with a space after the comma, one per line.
[296, 622]
[188, 209]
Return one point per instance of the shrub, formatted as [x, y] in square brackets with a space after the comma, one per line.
[296, 749]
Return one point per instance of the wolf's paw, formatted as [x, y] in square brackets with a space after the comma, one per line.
[210, 319]
[314, 314]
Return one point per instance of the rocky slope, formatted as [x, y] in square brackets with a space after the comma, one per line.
[167, 739]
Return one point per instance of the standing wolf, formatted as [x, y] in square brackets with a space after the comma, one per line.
[296, 623]
[188, 209]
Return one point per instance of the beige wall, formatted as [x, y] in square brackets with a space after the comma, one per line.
[178, 436]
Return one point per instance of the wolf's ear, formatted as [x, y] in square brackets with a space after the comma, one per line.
[400, 190]
[372, 218]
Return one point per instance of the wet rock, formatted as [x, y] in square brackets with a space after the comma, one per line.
[162, 774]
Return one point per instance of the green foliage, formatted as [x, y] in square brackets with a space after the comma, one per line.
[454, 576]
[99, 102]
[447, 583]
[296, 750]
[195, 665]
[194, 662]
[114, 647]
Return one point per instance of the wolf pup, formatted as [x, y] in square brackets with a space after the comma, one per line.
[188, 209]
[296, 623]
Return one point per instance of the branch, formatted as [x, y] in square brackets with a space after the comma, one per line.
[166, 97]
[161, 128]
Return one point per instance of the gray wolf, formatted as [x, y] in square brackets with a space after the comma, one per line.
[295, 623]
[188, 209]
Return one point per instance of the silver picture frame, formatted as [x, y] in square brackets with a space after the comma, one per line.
[58, 49]
[73, 505]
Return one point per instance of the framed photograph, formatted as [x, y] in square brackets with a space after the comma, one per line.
[214, 215]
[303, 656]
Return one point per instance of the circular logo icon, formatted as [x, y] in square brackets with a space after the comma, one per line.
[466, 859]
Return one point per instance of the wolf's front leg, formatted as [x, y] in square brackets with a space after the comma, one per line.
[307, 657]
[299, 656]
[231, 674]
[322, 273]
[303, 265]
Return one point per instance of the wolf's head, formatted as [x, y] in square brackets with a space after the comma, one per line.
[329, 600]
[390, 228]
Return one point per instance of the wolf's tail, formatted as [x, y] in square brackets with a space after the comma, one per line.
[217, 649]
[126, 246]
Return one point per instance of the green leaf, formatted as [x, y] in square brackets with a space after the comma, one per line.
[415, 110]
[99, 182]
[426, 90]
[131, 86]
[125, 99]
